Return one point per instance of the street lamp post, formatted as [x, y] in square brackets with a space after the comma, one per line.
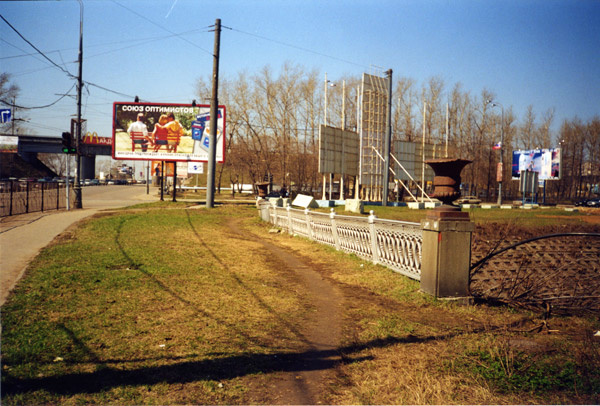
[501, 169]
[325, 107]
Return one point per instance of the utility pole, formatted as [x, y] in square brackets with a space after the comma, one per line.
[500, 169]
[343, 145]
[388, 140]
[214, 105]
[325, 122]
[423, 154]
[77, 186]
[447, 130]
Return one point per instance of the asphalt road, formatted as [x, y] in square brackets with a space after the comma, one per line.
[23, 236]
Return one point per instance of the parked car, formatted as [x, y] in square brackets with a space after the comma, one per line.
[468, 200]
[593, 203]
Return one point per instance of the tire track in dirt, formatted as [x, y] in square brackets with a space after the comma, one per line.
[301, 383]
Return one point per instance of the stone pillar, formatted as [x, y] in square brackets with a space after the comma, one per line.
[446, 251]
[446, 256]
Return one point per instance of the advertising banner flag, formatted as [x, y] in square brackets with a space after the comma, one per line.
[165, 132]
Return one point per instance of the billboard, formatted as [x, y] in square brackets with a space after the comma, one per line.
[410, 155]
[546, 162]
[338, 151]
[165, 132]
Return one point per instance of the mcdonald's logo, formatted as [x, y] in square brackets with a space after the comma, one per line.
[94, 139]
[89, 138]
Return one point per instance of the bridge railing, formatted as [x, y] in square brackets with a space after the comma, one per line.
[395, 244]
[19, 197]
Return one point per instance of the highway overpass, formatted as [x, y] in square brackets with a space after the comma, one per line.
[30, 146]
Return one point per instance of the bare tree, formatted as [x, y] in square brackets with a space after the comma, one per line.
[527, 130]
[405, 108]
[8, 93]
[542, 137]
[432, 93]
[57, 163]
[274, 116]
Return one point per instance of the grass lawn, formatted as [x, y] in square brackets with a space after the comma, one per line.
[535, 217]
[162, 304]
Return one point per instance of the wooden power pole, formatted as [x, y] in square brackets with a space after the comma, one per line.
[214, 106]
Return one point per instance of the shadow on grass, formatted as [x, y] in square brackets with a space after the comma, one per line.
[140, 267]
[122, 373]
[289, 326]
[105, 378]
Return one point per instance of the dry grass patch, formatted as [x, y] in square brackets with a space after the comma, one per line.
[403, 347]
[159, 306]
[176, 306]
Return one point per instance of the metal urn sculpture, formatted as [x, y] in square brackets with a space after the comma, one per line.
[446, 185]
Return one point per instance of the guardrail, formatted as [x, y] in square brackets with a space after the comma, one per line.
[395, 244]
[19, 197]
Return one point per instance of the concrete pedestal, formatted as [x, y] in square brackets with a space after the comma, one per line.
[354, 206]
[446, 255]
[305, 201]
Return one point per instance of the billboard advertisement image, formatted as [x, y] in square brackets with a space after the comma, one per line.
[546, 162]
[165, 132]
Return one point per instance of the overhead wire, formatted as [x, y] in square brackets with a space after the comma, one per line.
[37, 107]
[133, 43]
[59, 67]
[162, 28]
[296, 47]
[144, 40]
[36, 48]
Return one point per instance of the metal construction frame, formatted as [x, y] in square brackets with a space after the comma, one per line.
[372, 135]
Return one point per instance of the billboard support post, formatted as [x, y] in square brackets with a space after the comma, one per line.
[210, 182]
[174, 181]
[388, 140]
[162, 183]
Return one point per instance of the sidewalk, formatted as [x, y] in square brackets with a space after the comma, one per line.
[23, 236]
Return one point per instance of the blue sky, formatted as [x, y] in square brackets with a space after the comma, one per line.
[544, 53]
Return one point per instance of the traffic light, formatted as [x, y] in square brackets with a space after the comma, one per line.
[67, 143]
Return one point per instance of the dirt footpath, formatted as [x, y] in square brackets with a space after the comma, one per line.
[302, 381]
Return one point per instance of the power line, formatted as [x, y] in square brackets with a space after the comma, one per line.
[59, 67]
[34, 47]
[38, 107]
[297, 47]
[134, 42]
[161, 27]
[108, 90]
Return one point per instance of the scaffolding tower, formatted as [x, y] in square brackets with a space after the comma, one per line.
[372, 135]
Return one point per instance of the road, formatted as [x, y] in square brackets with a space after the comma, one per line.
[23, 236]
